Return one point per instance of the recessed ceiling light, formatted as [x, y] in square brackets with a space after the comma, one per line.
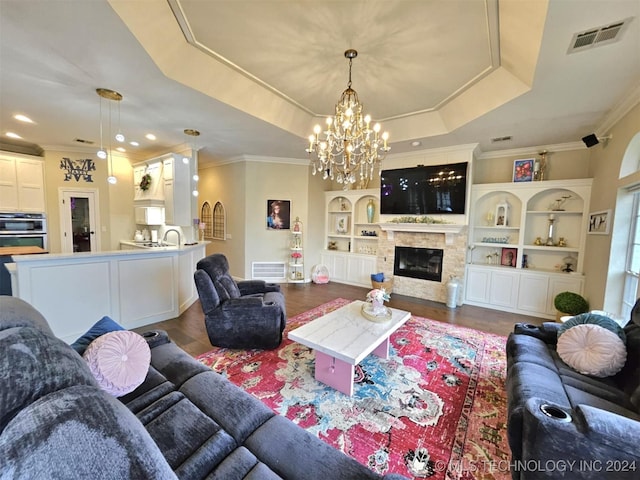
[150, 136]
[417, 143]
[23, 118]
[134, 144]
[120, 149]
[13, 135]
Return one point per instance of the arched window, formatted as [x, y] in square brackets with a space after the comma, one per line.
[206, 217]
[219, 222]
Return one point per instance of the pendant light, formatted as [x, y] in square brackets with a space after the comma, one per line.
[112, 96]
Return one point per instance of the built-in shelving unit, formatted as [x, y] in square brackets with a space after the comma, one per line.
[296, 254]
[519, 263]
[352, 233]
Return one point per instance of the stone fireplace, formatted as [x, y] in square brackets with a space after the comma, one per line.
[451, 240]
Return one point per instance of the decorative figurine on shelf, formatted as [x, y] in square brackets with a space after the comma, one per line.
[489, 219]
[562, 242]
[569, 264]
[502, 214]
[296, 256]
[538, 241]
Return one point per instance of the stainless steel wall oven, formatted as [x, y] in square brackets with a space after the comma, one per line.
[23, 230]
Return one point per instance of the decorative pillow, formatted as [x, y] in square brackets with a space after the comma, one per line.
[102, 326]
[593, 319]
[119, 361]
[592, 350]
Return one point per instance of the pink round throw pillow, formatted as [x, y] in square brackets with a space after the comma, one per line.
[119, 361]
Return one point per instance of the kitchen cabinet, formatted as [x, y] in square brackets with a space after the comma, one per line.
[154, 194]
[22, 183]
[177, 194]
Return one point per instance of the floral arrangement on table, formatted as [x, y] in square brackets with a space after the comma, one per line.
[145, 182]
[296, 256]
[377, 297]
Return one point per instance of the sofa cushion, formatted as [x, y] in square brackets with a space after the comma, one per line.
[119, 361]
[592, 350]
[102, 326]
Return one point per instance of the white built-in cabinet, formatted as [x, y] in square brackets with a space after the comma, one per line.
[350, 252]
[21, 183]
[517, 216]
[169, 187]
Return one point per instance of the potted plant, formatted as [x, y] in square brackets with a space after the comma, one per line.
[570, 303]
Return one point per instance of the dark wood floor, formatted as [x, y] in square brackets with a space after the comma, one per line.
[188, 329]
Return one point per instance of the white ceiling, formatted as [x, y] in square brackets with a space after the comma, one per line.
[254, 76]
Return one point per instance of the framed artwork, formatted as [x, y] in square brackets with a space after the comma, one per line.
[278, 214]
[523, 170]
[342, 224]
[508, 257]
[600, 222]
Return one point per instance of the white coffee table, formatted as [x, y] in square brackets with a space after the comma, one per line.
[343, 338]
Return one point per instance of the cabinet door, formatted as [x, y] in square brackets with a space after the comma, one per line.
[478, 282]
[533, 293]
[504, 289]
[360, 270]
[567, 283]
[30, 175]
[8, 184]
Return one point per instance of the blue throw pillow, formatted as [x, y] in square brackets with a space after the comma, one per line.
[102, 326]
[377, 277]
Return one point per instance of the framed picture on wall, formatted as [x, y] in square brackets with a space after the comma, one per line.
[600, 222]
[508, 257]
[342, 224]
[523, 170]
[278, 214]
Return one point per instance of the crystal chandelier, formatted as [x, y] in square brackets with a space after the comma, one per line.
[349, 147]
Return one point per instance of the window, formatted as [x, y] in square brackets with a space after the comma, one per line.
[206, 218]
[632, 272]
[219, 222]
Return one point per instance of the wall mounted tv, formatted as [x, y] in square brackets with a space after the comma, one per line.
[424, 190]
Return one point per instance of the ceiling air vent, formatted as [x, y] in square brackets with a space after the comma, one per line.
[501, 139]
[82, 140]
[595, 37]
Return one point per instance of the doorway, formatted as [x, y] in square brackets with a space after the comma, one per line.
[79, 220]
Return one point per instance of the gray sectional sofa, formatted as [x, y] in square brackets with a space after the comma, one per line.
[184, 421]
[564, 424]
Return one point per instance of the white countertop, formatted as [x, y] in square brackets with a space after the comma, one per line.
[107, 253]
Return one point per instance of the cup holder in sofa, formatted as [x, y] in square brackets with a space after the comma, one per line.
[529, 326]
[554, 412]
[150, 335]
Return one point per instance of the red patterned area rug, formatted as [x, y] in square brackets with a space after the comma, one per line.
[436, 408]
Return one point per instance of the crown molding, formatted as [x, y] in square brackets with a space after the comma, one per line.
[534, 150]
[619, 111]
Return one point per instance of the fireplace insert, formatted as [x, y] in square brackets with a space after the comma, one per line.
[422, 263]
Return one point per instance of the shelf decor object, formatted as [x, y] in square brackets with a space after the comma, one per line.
[501, 217]
[371, 210]
[296, 262]
[351, 149]
[550, 242]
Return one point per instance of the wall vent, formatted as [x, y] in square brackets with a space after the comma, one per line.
[501, 139]
[595, 37]
[268, 271]
[82, 140]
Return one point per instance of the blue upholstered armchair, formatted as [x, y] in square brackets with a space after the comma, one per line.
[245, 314]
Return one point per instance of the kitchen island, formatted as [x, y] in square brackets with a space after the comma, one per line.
[134, 287]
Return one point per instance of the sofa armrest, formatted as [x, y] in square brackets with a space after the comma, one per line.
[250, 287]
[547, 332]
[587, 443]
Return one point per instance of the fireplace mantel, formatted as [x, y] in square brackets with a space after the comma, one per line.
[448, 229]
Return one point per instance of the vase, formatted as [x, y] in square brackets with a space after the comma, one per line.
[377, 307]
[371, 208]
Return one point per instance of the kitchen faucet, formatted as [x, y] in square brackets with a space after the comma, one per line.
[164, 239]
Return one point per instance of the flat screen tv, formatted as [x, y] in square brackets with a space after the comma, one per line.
[424, 190]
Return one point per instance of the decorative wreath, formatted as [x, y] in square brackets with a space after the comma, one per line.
[145, 183]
